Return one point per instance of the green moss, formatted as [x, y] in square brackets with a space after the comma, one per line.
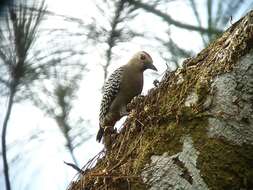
[202, 89]
[139, 186]
[197, 130]
[156, 141]
[222, 164]
[226, 166]
[167, 138]
[186, 113]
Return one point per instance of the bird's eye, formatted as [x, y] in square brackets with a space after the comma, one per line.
[143, 57]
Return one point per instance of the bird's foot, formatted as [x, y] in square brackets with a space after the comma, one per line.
[110, 134]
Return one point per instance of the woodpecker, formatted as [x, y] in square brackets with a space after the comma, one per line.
[122, 86]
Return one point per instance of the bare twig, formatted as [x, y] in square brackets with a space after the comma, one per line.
[171, 21]
[74, 167]
[195, 11]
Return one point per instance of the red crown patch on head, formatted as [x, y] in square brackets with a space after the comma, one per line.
[147, 55]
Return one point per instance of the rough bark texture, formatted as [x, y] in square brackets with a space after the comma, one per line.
[194, 131]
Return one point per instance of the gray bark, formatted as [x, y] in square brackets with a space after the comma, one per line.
[233, 98]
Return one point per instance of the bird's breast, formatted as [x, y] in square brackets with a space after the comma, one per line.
[132, 85]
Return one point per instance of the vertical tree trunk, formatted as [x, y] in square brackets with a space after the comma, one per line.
[4, 130]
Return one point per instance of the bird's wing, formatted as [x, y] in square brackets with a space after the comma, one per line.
[110, 91]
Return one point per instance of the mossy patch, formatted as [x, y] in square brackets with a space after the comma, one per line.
[156, 141]
[222, 164]
[226, 166]
[202, 89]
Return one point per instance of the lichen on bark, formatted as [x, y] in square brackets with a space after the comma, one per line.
[178, 171]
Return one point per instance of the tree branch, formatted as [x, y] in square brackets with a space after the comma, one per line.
[114, 34]
[74, 167]
[171, 21]
[195, 11]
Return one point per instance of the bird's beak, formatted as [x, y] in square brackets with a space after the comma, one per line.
[151, 66]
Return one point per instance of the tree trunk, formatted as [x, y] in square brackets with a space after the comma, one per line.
[194, 131]
[4, 130]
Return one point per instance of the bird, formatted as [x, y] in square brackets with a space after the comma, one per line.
[122, 86]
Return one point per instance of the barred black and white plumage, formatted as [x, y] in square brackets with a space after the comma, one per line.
[121, 87]
[110, 90]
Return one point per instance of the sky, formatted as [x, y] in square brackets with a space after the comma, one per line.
[42, 159]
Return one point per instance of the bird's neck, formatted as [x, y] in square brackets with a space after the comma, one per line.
[135, 67]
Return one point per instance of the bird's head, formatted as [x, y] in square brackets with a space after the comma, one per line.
[143, 61]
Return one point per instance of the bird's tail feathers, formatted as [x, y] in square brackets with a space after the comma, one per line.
[100, 134]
